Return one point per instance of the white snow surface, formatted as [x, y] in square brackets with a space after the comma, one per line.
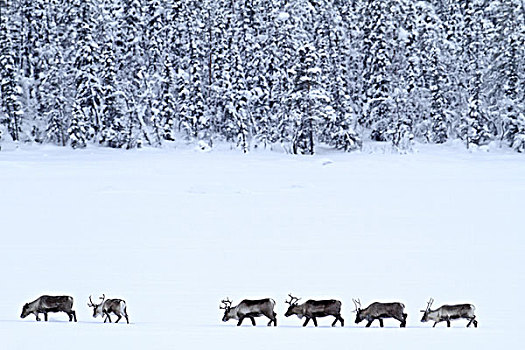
[174, 231]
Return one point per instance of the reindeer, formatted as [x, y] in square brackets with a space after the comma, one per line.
[379, 311]
[107, 306]
[46, 303]
[449, 312]
[312, 309]
[249, 309]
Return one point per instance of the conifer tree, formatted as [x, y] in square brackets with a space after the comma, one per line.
[475, 124]
[10, 87]
[307, 101]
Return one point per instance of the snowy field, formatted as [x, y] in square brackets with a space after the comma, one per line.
[175, 231]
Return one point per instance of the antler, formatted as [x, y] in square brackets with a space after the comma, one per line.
[227, 304]
[293, 300]
[91, 303]
[103, 297]
[429, 305]
[357, 304]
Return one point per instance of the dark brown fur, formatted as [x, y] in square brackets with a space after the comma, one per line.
[380, 311]
[446, 313]
[250, 309]
[46, 304]
[316, 308]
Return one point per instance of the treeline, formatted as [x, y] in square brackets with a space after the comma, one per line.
[128, 73]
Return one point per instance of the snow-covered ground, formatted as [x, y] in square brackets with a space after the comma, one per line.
[175, 231]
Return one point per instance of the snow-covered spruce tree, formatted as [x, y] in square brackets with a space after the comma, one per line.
[193, 120]
[439, 119]
[55, 101]
[454, 59]
[412, 85]
[308, 100]
[78, 130]
[11, 111]
[507, 50]
[112, 116]
[407, 94]
[255, 37]
[264, 22]
[34, 23]
[219, 39]
[88, 88]
[379, 49]
[276, 125]
[236, 103]
[330, 39]
[167, 107]
[158, 97]
[288, 30]
[133, 73]
[475, 127]
[156, 34]
[177, 32]
[53, 81]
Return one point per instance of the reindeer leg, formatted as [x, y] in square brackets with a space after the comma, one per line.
[241, 318]
[37, 318]
[45, 316]
[271, 316]
[435, 323]
[127, 319]
[118, 319]
[74, 315]
[315, 321]
[448, 323]
[108, 318]
[253, 320]
[306, 322]
[273, 319]
[369, 323]
[340, 319]
[402, 320]
[473, 320]
[381, 323]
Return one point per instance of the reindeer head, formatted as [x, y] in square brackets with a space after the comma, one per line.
[227, 306]
[294, 308]
[359, 316]
[425, 312]
[25, 311]
[97, 308]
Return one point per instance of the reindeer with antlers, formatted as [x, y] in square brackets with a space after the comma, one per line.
[249, 309]
[312, 309]
[379, 311]
[449, 312]
[107, 306]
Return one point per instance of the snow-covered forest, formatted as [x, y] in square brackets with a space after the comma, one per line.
[255, 73]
